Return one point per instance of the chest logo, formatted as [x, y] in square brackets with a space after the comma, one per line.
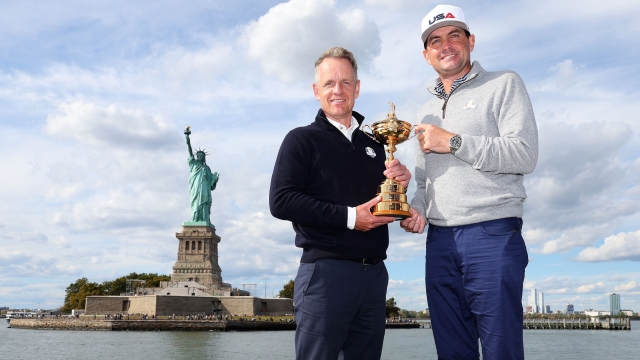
[470, 105]
[370, 152]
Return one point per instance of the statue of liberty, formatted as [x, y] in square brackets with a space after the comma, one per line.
[201, 183]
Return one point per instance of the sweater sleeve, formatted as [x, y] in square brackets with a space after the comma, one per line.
[515, 151]
[287, 198]
[419, 201]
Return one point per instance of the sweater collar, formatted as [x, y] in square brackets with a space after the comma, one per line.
[321, 120]
[476, 70]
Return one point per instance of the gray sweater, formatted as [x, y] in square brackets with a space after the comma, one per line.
[483, 180]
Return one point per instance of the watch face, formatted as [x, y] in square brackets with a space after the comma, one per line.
[455, 143]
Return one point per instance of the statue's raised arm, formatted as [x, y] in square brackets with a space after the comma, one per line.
[187, 132]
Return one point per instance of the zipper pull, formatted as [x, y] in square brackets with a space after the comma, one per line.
[444, 107]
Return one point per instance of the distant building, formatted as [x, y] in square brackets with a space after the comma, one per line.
[569, 310]
[547, 309]
[541, 302]
[528, 310]
[614, 304]
[596, 313]
[536, 301]
[628, 312]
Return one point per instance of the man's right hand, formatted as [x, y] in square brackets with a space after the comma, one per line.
[415, 223]
[365, 221]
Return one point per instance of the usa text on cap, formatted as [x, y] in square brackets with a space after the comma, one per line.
[442, 15]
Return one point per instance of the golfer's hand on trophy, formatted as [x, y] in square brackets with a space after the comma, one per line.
[366, 221]
[415, 223]
[395, 170]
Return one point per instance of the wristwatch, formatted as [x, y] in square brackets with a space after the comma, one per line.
[454, 143]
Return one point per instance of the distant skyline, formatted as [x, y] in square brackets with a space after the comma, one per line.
[95, 97]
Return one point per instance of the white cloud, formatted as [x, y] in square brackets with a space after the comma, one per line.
[591, 288]
[621, 246]
[288, 39]
[408, 294]
[396, 4]
[571, 238]
[558, 291]
[111, 126]
[631, 285]
[565, 74]
[580, 189]
[23, 237]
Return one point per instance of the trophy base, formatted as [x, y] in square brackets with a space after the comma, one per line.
[398, 214]
[394, 201]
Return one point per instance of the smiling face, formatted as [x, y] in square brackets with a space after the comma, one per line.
[337, 89]
[449, 51]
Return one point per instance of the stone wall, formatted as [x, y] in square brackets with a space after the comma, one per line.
[166, 305]
[278, 306]
[142, 305]
[185, 305]
[100, 305]
[249, 305]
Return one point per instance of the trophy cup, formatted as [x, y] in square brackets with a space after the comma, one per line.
[390, 132]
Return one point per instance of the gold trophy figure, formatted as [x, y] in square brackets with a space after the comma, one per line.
[390, 132]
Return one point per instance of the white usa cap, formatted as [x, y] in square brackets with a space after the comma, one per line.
[442, 15]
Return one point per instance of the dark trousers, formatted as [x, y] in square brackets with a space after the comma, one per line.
[340, 310]
[474, 276]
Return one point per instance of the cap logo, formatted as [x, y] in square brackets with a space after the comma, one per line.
[441, 17]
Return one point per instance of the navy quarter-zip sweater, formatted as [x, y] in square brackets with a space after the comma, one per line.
[317, 175]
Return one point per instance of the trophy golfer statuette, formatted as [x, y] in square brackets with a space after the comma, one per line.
[390, 132]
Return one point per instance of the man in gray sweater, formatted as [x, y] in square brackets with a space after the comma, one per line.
[478, 137]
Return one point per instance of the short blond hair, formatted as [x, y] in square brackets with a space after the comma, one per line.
[336, 52]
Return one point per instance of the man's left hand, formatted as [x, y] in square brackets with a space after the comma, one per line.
[433, 138]
[395, 170]
[415, 223]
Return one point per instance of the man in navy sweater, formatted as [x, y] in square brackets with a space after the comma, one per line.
[323, 182]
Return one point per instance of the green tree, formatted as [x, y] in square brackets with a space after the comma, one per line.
[287, 290]
[392, 309]
[408, 314]
[621, 315]
[77, 292]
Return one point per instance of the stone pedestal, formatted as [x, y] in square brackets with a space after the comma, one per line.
[198, 256]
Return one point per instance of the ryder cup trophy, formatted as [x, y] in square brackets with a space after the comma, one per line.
[390, 132]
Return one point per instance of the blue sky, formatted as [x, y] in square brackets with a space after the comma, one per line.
[94, 97]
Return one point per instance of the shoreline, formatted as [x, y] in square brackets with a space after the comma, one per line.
[148, 325]
[165, 325]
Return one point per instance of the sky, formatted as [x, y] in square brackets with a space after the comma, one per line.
[94, 98]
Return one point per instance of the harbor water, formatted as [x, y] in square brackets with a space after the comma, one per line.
[398, 344]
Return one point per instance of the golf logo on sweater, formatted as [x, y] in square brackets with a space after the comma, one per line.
[470, 105]
[370, 152]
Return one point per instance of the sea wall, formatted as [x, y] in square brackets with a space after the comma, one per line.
[60, 324]
[148, 325]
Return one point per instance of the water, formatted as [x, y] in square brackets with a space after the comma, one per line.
[399, 344]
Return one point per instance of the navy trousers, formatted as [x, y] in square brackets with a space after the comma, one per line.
[340, 310]
[474, 277]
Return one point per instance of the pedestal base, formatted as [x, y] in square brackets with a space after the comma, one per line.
[198, 223]
[198, 255]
